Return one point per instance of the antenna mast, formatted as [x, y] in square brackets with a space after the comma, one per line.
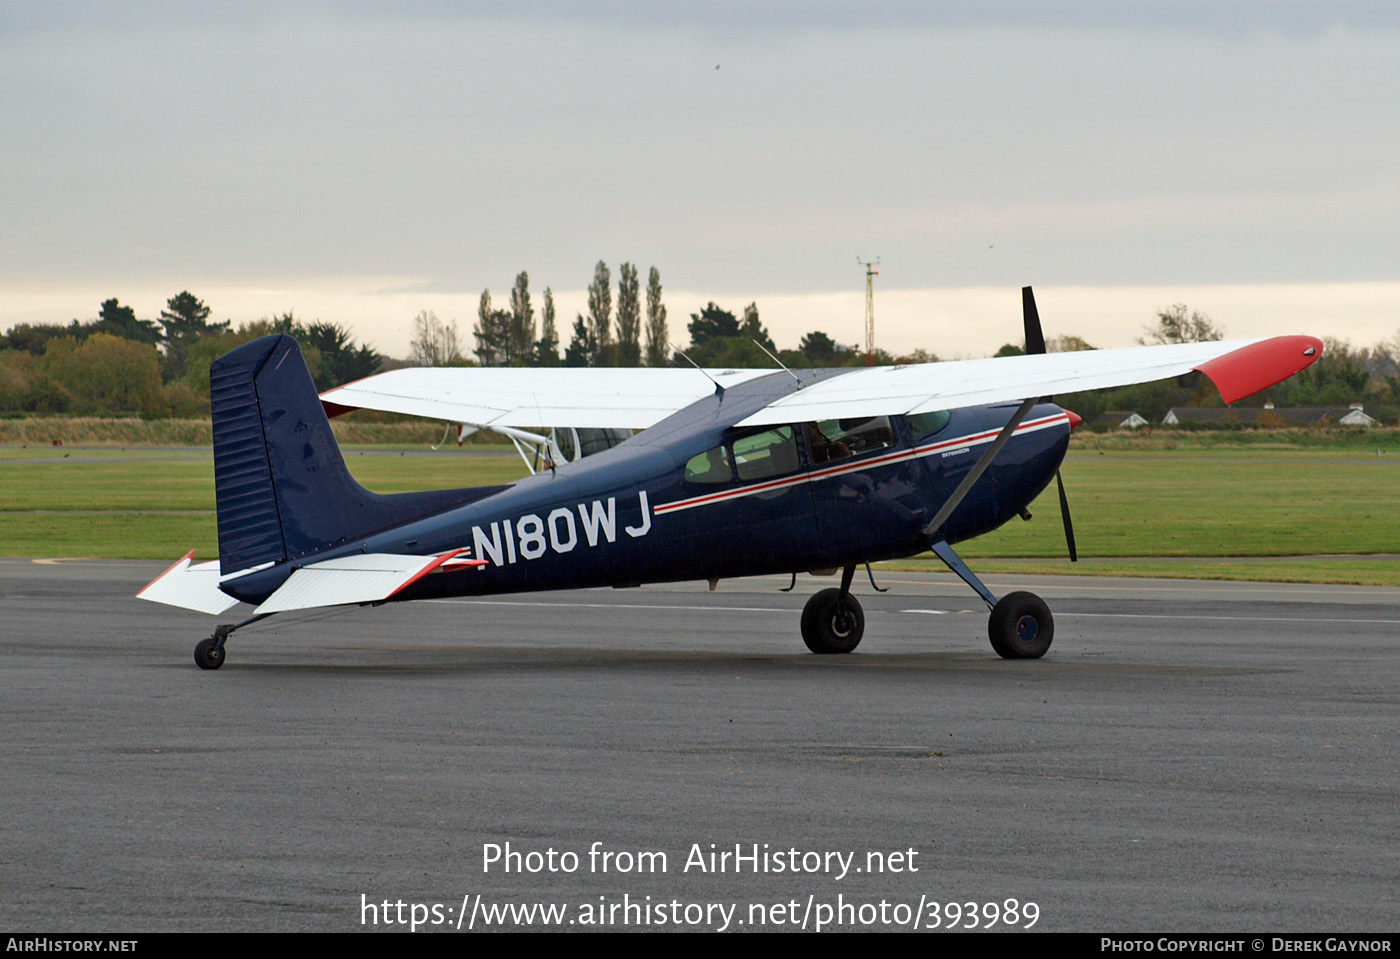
[872, 269]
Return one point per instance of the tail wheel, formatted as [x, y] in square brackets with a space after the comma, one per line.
[1021, 626]
[831, 624]
[208, 654]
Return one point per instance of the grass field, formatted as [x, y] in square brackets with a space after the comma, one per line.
[88, 431]
[1265, 511]
[1215, 503]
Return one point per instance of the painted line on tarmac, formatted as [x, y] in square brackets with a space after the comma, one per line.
[1232, 619]
[555, 605]
[1122, 584]
[933, 612]
[1212, 586]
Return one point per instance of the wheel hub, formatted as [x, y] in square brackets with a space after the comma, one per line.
[1026, 628]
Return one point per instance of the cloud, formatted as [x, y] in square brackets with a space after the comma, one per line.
[969, 144]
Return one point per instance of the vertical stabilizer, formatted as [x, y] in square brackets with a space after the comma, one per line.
[280, 482]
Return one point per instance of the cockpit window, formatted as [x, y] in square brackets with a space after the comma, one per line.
[926, 424]
[711, 466]
[833, 440]
[770, 453]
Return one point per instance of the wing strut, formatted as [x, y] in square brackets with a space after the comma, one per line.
[954, 562]
[978, 468]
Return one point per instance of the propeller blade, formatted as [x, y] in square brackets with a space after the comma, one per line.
[1035, 343]
[1064, 514]
[1035, 339]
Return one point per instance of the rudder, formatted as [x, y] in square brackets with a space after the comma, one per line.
[281, 485]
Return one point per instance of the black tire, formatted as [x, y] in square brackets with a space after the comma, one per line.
[1021, 626]
[830, 625]
[208, 654]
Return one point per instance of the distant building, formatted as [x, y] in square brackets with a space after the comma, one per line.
[1269, 415]
[1118, 420]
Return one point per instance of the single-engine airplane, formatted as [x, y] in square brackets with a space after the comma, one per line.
[734, 473]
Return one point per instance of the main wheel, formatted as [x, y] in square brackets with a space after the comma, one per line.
[832, 625]
[208, 654]
[1021, 626]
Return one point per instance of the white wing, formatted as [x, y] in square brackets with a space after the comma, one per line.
[535, 398]
[638, 398]
[1237, 367]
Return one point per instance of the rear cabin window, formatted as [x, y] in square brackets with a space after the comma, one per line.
[770, 453]
[711, 466]
[596, 440]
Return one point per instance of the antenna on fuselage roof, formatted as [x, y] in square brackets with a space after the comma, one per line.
[779, 362]
[719, 390]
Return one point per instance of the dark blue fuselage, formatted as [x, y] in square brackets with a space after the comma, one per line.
[630, 515]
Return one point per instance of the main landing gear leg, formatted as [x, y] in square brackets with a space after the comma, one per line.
[209, 653]
[832, 621]
[1020, 626]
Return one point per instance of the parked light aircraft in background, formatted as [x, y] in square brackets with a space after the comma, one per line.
[734, 473]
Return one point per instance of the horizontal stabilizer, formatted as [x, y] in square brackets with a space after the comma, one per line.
[189, 585]
[359, 578]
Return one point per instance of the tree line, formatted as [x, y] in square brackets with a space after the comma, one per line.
[605, 337]
[621, 335]
[118, 363]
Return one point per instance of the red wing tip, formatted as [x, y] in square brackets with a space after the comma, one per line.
[1258, 366]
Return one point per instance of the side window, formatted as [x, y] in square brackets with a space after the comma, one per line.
[596, 440]
[711, 466]
[833, 440]
[565, 440]
[770, 453]
[926, 424]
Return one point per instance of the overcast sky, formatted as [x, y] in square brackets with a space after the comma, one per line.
[358, 162]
